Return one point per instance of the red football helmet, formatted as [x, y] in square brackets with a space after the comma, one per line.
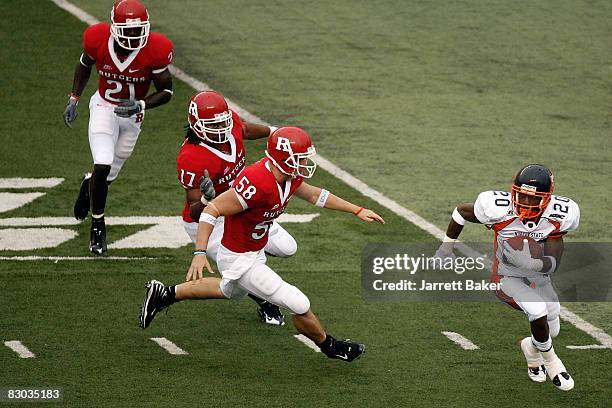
[210, 115]
[291, 150]
[130, 24]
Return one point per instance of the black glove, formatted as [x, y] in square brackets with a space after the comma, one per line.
[129, 107]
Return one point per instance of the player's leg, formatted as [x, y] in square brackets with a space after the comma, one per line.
[263, 282]
[129, 130]
[267, 312]
[536, 309]
[159, 296]
[103, 134]
[280, 242]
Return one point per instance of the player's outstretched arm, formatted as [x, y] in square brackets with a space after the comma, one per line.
[324, 199]
[461, 214]
[225, 204]
[82, 72]
[254, 131]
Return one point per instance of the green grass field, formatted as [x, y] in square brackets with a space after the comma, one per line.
[429, 103]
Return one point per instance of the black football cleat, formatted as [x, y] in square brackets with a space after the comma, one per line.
[81, 205]
[156, 299]
[270, 314]
[344, 350]
[97, 236]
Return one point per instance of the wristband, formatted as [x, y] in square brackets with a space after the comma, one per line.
[358, 211]
[75, 97]
[207, 218]
[322, 198]
[457, 217]
[272, 129]
[199, 252]
[143, 104]
[448, 240]
[203, 200]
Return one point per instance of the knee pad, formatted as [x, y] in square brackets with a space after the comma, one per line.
[534, 310]
[554, 309]
[291, 298]
[282, 245]
[554, 326]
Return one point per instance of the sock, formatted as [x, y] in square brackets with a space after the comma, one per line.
[326, 344]
[258, 300]
[172, 294]
[546, 349]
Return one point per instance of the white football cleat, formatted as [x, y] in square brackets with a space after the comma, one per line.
[535, 362]
[559, 375]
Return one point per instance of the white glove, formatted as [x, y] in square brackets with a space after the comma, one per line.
[445, 251]
[521, 258]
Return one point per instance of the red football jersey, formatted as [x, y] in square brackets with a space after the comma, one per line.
[265, 200]
[223, 164]
[121, 77]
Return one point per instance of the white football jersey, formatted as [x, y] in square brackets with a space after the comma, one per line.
[494, 209]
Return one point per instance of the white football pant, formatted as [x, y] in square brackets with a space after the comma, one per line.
[540, 300]
[247, 272]
[111, 138]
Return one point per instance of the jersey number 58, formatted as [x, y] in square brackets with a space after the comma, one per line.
[245, 188]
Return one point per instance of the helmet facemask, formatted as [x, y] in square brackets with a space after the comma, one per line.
[133, 34]
[298, 164]
[221, 126]
[529, 203]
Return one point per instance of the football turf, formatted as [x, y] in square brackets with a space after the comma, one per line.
[80, 318]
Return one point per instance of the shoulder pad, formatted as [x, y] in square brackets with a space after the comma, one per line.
[492, 207]
[564, 211]
[94, 37]
[161, 49]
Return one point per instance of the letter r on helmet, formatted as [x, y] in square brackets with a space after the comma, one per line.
[283, 145]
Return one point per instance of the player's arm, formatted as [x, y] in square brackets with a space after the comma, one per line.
[163, 85]
[82, 72]
[461, 214]
[225, 204]
[194, 197]
[324, 199]
[254, 131]
[521, 258]
[198, 198]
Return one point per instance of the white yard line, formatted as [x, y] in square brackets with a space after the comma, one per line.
[460, 340]
[169, 346]
[309, 343]
[325, 164]
[18, 347]
[598, 334]
[75, 258]
[19, 182]
[589, 347]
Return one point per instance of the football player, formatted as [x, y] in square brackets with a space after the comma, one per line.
[210, 158]
[529, 210]
[128, 58]
[259, 195]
